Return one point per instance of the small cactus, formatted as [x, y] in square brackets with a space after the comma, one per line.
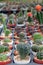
[35, 48]
[38, 38]
[40, 55]
[23, 49]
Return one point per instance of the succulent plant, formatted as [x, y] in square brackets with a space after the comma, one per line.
[35, 48]
[40, 55]
[23, 49]
[7, 32]
[3, 57]
[39, 14]
[38, 38]
[3, 49]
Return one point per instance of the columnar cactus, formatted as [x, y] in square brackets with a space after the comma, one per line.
[39, 14]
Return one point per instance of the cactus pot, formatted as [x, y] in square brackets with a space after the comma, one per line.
[38, 61]
[23, 61]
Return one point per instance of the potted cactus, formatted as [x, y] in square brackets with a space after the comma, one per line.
[6, 34]
[39, 57]
[11, 22]
[39, 14]
[5, 50]
[7, 42]
[30, 18]
[23, 54]
[4, 59]
[35, 49]
[20, 22]
[38, 38]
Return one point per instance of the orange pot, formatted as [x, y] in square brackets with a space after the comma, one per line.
[36, 60]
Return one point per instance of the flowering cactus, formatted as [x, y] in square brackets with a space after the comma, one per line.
[39, 14]
[29, 17]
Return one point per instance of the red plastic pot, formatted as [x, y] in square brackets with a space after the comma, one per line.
[5, 62]
[11, 25]
[38, 61]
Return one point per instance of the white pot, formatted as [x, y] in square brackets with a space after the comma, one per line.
[20, 25]
[21, 61]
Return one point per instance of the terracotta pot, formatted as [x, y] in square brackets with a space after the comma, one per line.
[36, 60]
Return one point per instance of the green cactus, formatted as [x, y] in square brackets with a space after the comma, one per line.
[29, 19]
[3, 57]
[23, 49]
[39, 17]
[35, 48]
[3, 49]
[38, 38]
[40, 55]
[7, 32]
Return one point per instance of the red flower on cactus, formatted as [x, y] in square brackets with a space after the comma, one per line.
[38, 7]
[29, 14]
